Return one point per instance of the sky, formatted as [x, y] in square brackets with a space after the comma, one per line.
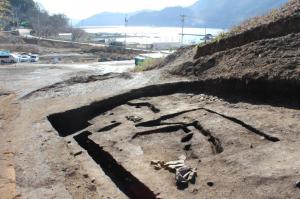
[81, 9]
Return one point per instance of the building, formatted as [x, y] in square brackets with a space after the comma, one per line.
[65, 36]
[24, 32]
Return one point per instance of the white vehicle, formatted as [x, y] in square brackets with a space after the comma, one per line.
[14, 58]
[24, 58]
[34, 58]
[9, 59]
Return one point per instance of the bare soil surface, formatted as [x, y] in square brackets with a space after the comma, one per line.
[98, 149]
[234, 151]
[65, 52]
[98, 131]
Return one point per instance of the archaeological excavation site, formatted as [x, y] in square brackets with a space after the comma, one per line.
[210, 121]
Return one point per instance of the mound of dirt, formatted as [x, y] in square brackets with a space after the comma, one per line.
[277, 58]
[269, 52]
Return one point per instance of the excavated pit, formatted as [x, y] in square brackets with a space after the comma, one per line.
[126, 182]
[280, 93]
[175, 119]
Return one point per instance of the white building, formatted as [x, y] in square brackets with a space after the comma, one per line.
[65, 36]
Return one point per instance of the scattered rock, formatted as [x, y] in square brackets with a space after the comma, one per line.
[134, 119]
[173, 165]
[184, 175]
[157, 164]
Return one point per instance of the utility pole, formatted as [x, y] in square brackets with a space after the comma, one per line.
[205, 37]
[38, 20]
[182, 26]
[126, 23]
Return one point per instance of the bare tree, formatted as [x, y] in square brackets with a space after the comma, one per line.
[5, 13]
[79, 35]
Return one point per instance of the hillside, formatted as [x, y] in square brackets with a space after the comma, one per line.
[214, 14]
[256, 55]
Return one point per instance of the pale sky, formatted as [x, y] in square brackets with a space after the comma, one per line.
[80, 9]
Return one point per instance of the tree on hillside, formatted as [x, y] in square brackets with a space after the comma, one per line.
[4, 13]
[46, 25]
[22, 11]
[79, 35]
[29, 14]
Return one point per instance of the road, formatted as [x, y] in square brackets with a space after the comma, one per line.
[24, 78]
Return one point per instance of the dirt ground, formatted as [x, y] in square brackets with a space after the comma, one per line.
[53, 51]
[119, 122]
[227, 113]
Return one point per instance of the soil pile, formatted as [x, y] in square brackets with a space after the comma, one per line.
[268, 51]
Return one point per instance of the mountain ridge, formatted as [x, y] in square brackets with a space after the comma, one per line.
[204, 13]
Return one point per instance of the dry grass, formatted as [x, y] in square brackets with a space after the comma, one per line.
[290, 9]
[217, 39]
[148, 64]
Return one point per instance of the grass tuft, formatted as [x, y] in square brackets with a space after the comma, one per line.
[148, 64]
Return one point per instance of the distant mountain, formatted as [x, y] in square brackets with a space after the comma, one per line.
[204, 13]
[226, 13]
[165, 17]
[104, 19]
